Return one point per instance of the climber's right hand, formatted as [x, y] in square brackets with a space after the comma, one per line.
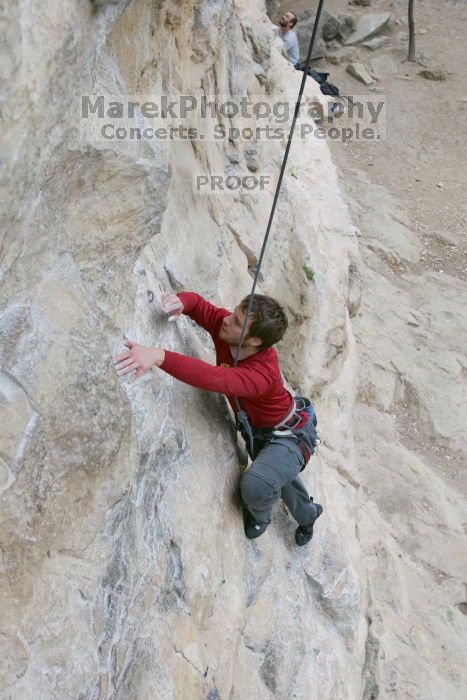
[171, 305]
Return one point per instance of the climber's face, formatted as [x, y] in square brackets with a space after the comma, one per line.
[286, 20]
[231, 330]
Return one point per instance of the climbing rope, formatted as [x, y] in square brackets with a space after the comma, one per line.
[242, 418]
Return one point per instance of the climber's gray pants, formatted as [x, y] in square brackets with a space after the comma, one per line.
[274, 475]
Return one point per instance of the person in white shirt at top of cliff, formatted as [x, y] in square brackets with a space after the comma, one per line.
[287, 23]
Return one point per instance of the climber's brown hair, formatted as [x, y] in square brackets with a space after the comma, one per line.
[269, 321]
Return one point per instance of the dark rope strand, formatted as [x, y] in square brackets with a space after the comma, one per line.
[281, 175]
[242, 417]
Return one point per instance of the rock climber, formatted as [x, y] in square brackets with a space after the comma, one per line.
[283, 426]
[287, 23]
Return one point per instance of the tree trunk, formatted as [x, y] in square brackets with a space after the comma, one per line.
[411, 56]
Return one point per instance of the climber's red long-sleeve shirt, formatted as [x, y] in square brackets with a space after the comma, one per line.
[256, 380]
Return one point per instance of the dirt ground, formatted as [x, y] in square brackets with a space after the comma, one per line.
[423, 160]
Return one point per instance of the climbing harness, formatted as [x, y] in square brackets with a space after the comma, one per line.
[302, 411]
[300, 426]
[241, 417]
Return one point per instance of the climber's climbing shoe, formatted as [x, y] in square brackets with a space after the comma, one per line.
[304, 533]
[252, 527]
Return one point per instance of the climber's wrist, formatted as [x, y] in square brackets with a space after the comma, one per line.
[158, 356]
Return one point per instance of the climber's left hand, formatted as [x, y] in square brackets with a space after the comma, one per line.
[139, 358]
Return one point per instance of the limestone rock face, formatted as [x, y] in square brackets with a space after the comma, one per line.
[125, 571]
[410, 450]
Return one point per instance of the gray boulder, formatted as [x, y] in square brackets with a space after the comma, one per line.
[330, 28]
[377, 42]
[367, 27]
[304, 29]
[346, 26]
[359, 71]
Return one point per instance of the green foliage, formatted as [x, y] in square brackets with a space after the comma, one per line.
[309, 272]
